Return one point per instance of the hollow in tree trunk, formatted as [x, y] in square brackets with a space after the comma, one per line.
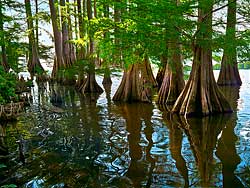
[229, 73]
[201, 95]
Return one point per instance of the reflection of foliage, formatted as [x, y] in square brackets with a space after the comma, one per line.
[7, 87]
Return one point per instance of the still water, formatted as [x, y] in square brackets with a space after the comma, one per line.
[90, 141]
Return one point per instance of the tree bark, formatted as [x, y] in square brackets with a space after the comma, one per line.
[129, 89]
[59, 59]
[90, 85]
[65, 36]
[201, 95]
[173, 81]
[229, 73]
[161, 71]
[34, 65]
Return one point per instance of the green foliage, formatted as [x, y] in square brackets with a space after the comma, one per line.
[7, 87]
[217, 67]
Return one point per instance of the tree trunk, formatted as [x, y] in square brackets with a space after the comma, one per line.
[70, 29]
[81, 15]
[229, 73]
[90, 85]
[37, 29]
[59, 60]
[173, 81]
[4, 61]
[201, 95]
[147, 73]
[65, 36]
[129, 89]
[107, 79]
[34, 65]
[161, 71]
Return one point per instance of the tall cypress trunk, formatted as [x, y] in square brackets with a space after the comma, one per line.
[90, 85]
[229, 73]
[173, 81]
[136, 84]
[37, 28]
[161, 71]
[201, 95]
[34, 65]
[129, 89]
[65, 36]
[59, 59]
[4, 61]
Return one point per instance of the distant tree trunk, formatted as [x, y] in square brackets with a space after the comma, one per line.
[107, 78]
[147, 73]
[137, 83]
[201, 95]
[65, 36]
[59, 59]
[4, 62]
[90, 85]
[34, 65]
[173, 81]
[81, 13]
[229, 73]
[37, 29]
[71, 46]
[161, 71]
[129, 89]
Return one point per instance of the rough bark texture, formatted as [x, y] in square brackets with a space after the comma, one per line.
[137, 83]
[161, 71]
[81, 13]
[173, 81]
[107, 78]
[59, 60]
[201, 95]
[65, 37]
[229, 73]
[90, 85]
[129, 89]
[147, 73]
[34, 65]
[4, 61]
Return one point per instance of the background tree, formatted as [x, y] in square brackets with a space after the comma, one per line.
[229, 73]
[34, 65]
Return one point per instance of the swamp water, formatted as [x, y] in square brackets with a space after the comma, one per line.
[90, 141]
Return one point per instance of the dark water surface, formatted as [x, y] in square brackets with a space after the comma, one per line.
[90, 141]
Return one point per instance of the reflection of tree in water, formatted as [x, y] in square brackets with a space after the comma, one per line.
[175, 144]
[226, 150]
[202, 134]
[138, 122]
[64, 145]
